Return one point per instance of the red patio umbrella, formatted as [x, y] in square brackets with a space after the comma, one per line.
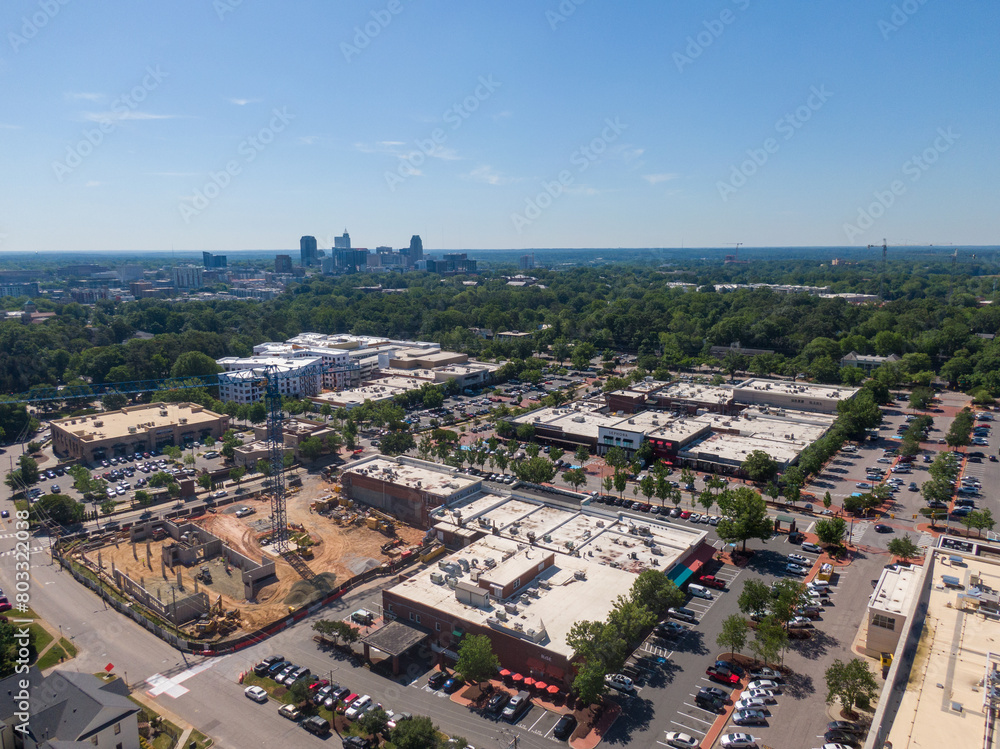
[516, 677]
[553, 689]
[504, 673]
[528, 681]
[540, 686]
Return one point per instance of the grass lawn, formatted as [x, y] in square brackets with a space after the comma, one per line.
[42, 637]
[55, 655]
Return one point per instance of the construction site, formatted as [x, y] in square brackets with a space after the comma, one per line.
[216, 576]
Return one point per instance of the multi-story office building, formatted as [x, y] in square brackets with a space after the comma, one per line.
[213, 261]
[342, 242]
[283, 264]
[307, 251]
[19, 289]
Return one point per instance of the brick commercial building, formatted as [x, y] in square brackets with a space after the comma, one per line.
[135, 429]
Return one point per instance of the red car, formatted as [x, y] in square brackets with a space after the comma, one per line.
[685, 514]
[722, 675]
[711, 581]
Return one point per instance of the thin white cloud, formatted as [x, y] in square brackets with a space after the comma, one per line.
[172, 174]
[84, 96]
[487, 175]
[93, 183]
[7, 126]
[243, 102]
[502, 115]
[396, 148]
[655, 179]
[120, 116]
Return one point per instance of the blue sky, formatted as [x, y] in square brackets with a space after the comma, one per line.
[228, 124]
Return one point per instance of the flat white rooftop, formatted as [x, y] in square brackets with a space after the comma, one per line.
[441, 483]
[799, 389]
[733, 449]
[569, 598]
[691, 391]
[895, 590]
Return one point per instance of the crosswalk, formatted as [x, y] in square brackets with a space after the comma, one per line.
[858, 531]
[32, 550]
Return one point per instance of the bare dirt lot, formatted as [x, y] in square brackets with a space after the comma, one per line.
[339, 553]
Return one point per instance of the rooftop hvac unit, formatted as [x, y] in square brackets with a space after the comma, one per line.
[547, 537]
[525, 599]
[507, 555]
[437, 578]
[530, 632]
[518, 626]
[490, 562]
[586, 534]
[533, 592]
[510, 608]
[452, 581]
[544, 584]
[131, 430]
[464, 564]
[492, 620]
[443, 564]
[502, 616]
[580, 575]
[98, 423]
[474, 575]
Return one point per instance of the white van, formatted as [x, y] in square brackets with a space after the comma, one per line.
[700, 591]
[809, 546]
[358, 707]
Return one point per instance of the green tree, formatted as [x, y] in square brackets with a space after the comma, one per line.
[582, 455]
[608, 483]
[647, 485]
[142, 498]
[770, 638]
[205, 481]
[827, 500]
[194, 364]
[734, 634]
[655, 591]
[396, 443]
[237, 473]
[60, 508]
[425, 447]
[311, 448]
[850, 682]
[575, 478]
[904, 548]
[600, 643]
[416, 733]
[589, 684]
[476, 660]
[373, 722]
[744, 516]
[29, 469]
[108, 506]
[831, 530]
[620, 481]
[982, 520]
[759, 466]
[555, 454]
[755, 597]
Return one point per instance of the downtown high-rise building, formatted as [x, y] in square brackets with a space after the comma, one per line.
[307, 252]
[282, 263]
[213, 261]
[416, 253]
[342, 242]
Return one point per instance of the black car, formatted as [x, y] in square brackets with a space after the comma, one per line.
[564, 728]
[845, 725]
[437, 679]
[495, 704]
[842, 737]
[715, 693]
[265, 665]
[735, 668]
[708, 702]
[317, 725]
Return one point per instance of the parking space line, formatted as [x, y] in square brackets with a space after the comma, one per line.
[688, 728]
[692, 717]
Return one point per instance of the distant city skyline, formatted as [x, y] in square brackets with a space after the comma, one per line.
[553, 125]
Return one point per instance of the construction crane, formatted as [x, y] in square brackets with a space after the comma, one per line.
[734, 258]
[881, 283]
[268, 380]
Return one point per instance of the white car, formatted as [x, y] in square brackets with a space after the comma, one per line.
[737, 741]
[764, 684]
[359, 707]
[257, 694]
[767, 695]
[863, 485]
[620, 682]
[695, 517]
[799, 559]
[750, 703]
[681, 740]
[795, 569]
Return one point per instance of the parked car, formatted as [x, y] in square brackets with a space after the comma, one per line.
[359, 707]
[715, 693]
[565, 727]
[795, 569]
[766, 673]
[798, 559]
[737, 741]
[670, 629]
[516, 707]
[680, 740]
[317, 725]
[620, 682]
[749, 718]
[437, 679]
[767, 695]
[495, 704]
[262, 668]
[711, 581]
[750, 703]
[764, 684]
[289, 711]
[723, 675]
[257, 694]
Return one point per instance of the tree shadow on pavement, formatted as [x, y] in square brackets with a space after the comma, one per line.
[692, 642]
[816, 646]
[636, 715]
[799, 686]
[659, 675]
